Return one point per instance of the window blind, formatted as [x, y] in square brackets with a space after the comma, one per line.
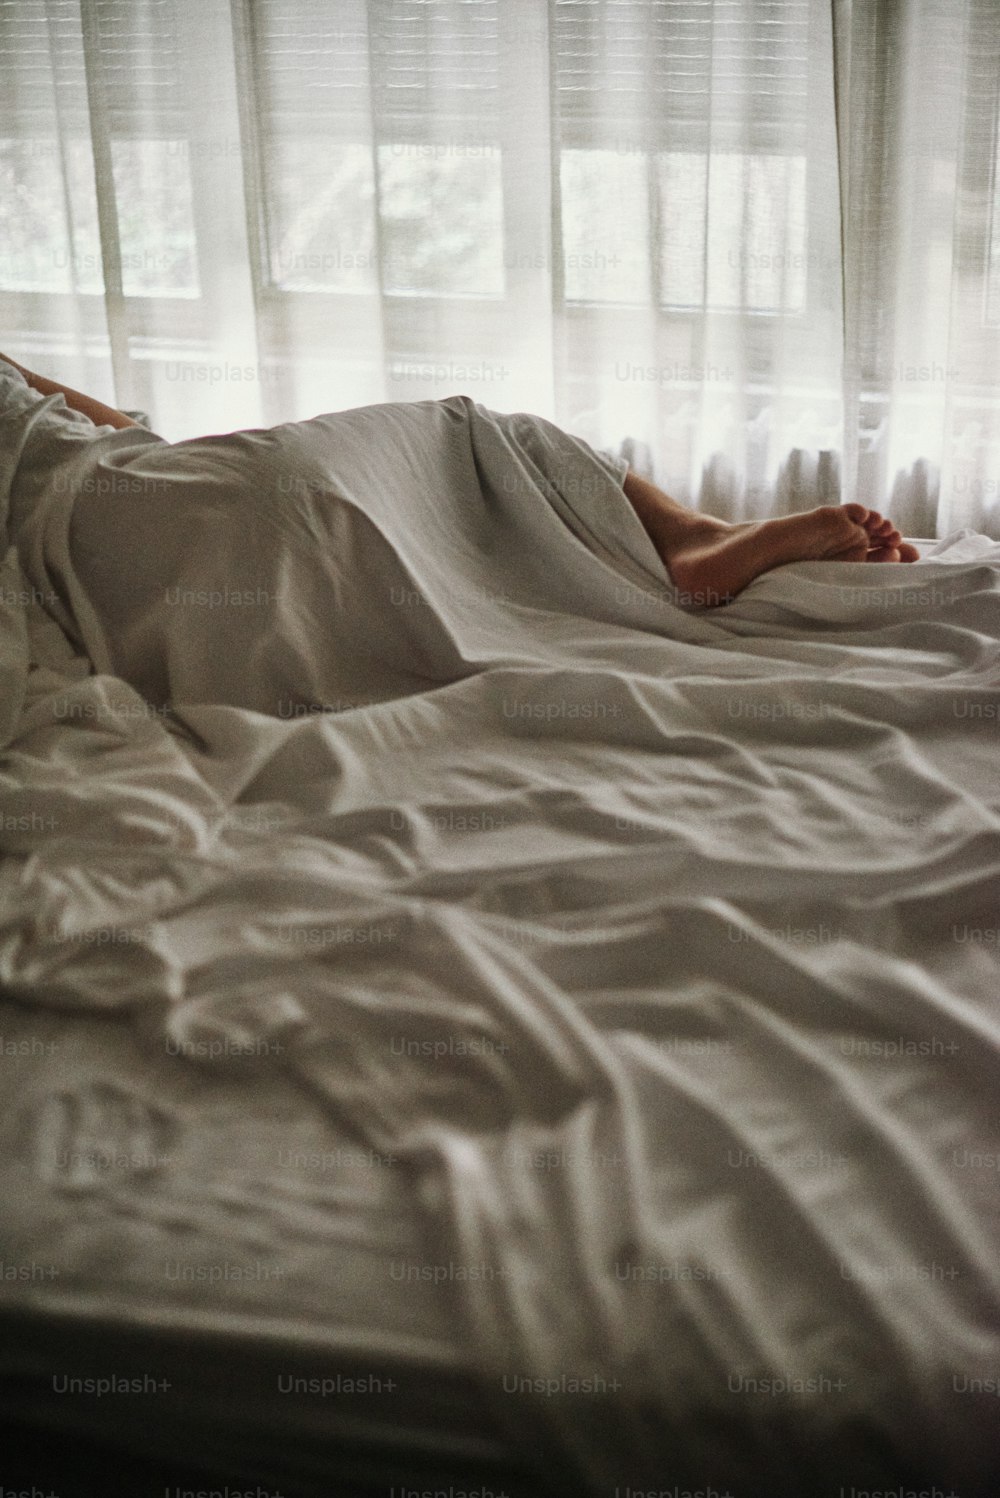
[653, 69]
[407, 64]
[40, 46]
[43, 70]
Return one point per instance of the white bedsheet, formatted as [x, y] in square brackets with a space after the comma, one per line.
[660, 945]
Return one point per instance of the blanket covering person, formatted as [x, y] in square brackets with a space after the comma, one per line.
[313, 563]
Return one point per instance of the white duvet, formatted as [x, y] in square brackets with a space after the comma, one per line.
[662, 945]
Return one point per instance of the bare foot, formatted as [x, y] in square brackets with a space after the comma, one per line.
[711, 561]
[887, 545]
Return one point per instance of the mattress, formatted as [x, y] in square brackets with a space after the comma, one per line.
[595, 1034]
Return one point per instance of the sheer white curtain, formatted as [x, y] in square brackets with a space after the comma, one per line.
[753, 245]
[918, 88]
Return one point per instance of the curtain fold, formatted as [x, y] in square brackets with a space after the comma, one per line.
[922, 259]
[754, 247]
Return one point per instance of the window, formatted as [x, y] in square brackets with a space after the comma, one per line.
[731, 230]
[50, 236]
[379, 161]
[639, 185]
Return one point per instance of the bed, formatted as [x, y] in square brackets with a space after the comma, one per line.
[471, 1024]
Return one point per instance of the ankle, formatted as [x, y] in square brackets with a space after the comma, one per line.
[688, 532]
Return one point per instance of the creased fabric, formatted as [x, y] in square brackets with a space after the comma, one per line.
[659, 946]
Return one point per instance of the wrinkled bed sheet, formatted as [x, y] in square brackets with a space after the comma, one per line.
[659, 946]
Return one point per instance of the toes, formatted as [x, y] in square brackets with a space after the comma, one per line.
[883, 554]
[843, 530]
[879, 527]
[856, 553]
[908, 553]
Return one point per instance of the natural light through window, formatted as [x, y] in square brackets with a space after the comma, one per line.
[440, 218]
[731, 229]
[321, 216]
[156, 231]
[49, 240]
[49, 232]
[605, 226]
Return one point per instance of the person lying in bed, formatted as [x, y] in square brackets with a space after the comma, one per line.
[701, 554]
[367, 514]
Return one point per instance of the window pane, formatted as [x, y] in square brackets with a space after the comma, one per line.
[320, 199]
[48, 229]
[440, 208]
[155, 217]
[605, 225]
[754, 210]
[442, 218]
[683, 183]
[757, 232]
